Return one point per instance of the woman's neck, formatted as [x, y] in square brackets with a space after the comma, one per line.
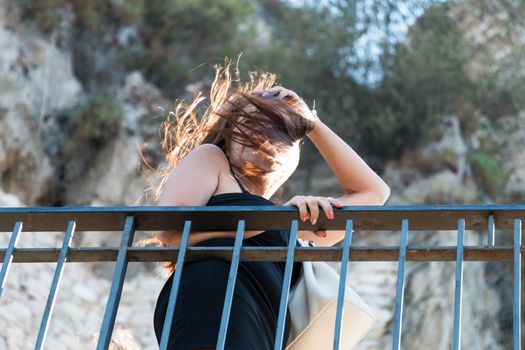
[268, 185]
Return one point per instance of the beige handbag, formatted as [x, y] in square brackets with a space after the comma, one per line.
[313, 303]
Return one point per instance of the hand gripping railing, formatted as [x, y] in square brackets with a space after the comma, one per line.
[192, 219]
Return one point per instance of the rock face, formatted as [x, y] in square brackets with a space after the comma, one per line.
[514, 158]
[36, 81]
[115, 177]
[38, 88]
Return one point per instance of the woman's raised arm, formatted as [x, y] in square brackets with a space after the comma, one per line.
[362, 186]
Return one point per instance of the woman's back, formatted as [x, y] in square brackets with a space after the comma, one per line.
[202, 291]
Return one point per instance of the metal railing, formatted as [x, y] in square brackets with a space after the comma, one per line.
[190, 219]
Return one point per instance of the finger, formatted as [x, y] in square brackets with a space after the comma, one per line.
[288, 98]
[291, 200]
[301, 205]
[273, 91]
[265, 92]
[314, 208]
[291, 93]
[288, 94]
[335, 202]
[321, 233]
[327, 208]
[276, 92]
[303, 211]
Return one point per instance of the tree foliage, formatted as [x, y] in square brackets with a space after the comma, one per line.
[424, 79]
[315, 47]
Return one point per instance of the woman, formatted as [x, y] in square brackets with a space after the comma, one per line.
[246, 145]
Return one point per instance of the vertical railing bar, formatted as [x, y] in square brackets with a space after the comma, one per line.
[228, 300]
[170, 310]
[517, 286]
[55, 284]
[400, 286]
[456, 345]
[116, 285]
[8, 258]
[490, 230]
[345, 257]
[285, 292]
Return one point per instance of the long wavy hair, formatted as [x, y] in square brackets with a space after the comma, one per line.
[267, 124]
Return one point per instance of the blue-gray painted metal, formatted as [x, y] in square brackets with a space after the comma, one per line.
[55, 284]
[285, 291]
[345, 257]
[170, 309]
[456, 342]
[153, 218]
[517, 286]
[490, 230]
[235, 208]
[228, 300]
[400, 286]
[8, 258]
[116, 285]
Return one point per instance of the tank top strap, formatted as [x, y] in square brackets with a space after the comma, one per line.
[238, 181]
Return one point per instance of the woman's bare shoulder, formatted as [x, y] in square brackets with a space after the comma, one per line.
[195, 178]
[207, 154]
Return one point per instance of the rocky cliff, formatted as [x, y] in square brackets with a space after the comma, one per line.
[39, 95]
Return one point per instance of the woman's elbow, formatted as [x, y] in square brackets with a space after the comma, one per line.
[379, 196]
[384, 194]
[170, 238]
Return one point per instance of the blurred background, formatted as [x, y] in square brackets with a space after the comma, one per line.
[430, 93]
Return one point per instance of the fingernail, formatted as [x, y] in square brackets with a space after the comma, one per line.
[303, 218]
[331, 215]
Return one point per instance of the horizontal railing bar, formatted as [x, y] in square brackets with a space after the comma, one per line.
[359, 253]
[153, 218]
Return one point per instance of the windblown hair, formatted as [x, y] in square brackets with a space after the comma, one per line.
[267, 124]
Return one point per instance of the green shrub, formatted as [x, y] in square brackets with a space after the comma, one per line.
[44, 12]
[94, 123]
[449, 156]
[425, 79]
[488, 171]
[131, 11]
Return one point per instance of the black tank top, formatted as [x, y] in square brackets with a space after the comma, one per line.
[266, 238]
[258, 283]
